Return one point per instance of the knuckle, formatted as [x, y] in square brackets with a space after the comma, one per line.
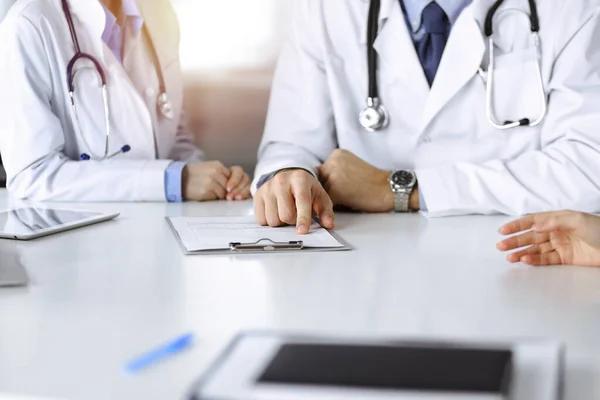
[286, 216]
[303, 197]
[273, 221]
[303, 220]
[279, 179]
[298, 175]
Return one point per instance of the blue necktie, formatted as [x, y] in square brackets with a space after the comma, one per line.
[431, 47]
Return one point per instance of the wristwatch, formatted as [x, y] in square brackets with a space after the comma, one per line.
[402, 183]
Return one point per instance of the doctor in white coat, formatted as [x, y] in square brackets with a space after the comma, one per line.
[440, 152]
[54, 151]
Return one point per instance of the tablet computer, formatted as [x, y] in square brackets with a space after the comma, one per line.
[12, 272]
[33, 222]
[271, 366]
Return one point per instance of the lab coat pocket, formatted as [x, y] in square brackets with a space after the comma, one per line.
[348, 85]
[516, 87]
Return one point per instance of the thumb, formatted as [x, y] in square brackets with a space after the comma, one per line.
[323, 207]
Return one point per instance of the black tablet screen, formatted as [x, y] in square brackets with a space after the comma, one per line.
[446, 369]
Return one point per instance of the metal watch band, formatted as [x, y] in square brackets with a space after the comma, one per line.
[401, 201]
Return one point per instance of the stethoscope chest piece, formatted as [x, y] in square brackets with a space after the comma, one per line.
[375, 117]
[165, 108]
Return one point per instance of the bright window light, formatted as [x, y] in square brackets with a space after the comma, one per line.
[218, 35]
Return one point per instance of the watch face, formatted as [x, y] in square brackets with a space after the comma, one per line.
[403, 179]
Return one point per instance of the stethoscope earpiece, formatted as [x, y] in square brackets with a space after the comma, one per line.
[165, 108]
[123, 150]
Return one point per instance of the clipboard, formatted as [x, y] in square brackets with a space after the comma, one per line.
[264, 245]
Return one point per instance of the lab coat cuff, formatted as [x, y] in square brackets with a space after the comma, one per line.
[435, 196]
[262, 178]
[422, 202]
[267, 177]
[173, 178]
[151, 181]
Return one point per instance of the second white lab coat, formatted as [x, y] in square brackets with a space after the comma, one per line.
[40, 139]
[462, 163]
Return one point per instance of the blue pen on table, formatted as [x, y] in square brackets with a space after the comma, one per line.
[170, 349]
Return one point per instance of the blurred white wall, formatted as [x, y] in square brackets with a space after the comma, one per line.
[228, 53]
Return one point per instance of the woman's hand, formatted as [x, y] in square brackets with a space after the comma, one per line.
[213, 181]
[555, 238]
[238, 186]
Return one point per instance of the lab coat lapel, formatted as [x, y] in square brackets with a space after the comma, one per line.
[159, 31]
[460, 62]
[88, 16]
[397, 54]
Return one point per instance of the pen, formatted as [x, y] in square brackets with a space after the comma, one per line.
[174, 347]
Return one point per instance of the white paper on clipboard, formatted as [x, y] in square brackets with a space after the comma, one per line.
[208, 234]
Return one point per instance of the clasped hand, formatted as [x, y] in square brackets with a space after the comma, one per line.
[213, 181]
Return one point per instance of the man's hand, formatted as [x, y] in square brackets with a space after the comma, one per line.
[556, 238]
[211, 181]
[353, 183]
[292, 197]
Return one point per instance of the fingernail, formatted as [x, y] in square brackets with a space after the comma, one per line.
[302, 230]
[240, 197]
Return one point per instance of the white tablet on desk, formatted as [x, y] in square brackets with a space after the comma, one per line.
[269, 366]
[31, 223]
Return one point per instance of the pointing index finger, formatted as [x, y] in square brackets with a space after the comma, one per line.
[302, 195]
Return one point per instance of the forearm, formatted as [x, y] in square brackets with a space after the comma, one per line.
[560, 177]
[57, 179]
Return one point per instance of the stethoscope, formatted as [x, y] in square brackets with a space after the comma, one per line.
[375, 116]
[163, 103]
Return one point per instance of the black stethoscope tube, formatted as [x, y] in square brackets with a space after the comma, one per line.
[489, 19]
[375, 116]
[372, 31]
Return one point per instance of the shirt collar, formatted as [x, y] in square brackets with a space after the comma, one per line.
[414, 10]
[129, 14]
[109, 27]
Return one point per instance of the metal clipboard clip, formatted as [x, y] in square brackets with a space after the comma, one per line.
[266, 247]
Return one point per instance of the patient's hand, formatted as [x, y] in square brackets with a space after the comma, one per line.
[556, 238]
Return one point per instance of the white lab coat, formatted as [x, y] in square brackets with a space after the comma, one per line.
[40, 140]
[462, 163]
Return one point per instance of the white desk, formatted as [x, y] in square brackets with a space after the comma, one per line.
[103, 294]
